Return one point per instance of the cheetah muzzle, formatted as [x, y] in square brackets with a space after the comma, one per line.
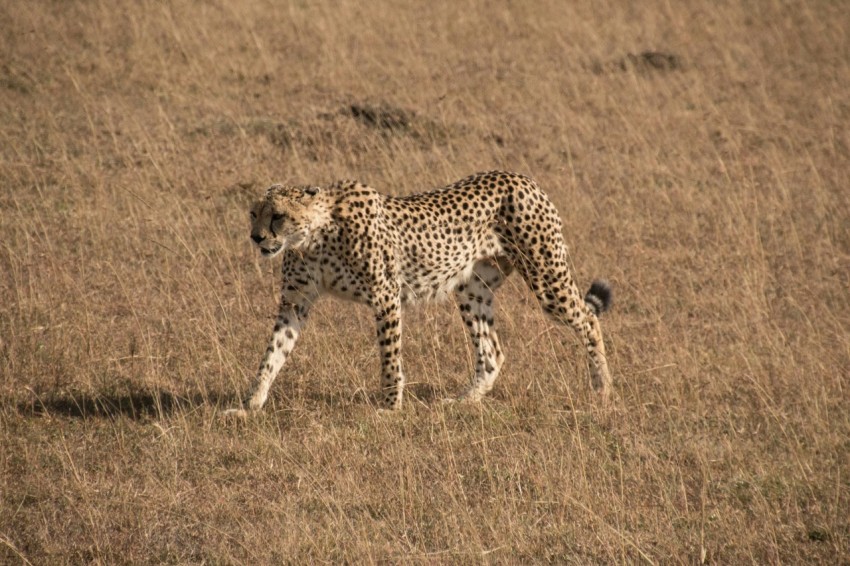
[384, 251]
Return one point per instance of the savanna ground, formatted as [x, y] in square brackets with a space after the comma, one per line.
[698, 152]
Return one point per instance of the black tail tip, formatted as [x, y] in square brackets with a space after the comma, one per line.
[599, 297]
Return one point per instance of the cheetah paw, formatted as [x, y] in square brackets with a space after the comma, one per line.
[235, 413]
[466, 397]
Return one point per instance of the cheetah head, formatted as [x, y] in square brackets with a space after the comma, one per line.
[286, 218]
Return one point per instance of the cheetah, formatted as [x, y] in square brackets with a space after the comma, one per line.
[464, 239]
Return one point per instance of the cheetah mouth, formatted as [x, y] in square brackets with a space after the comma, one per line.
[269, 252]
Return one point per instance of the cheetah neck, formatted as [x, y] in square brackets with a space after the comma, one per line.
[320, 217]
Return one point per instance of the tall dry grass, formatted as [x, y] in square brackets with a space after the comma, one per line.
[707, 182]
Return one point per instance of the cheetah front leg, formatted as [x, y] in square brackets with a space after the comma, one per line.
[388, 319]
[290, 319]
[299, 292]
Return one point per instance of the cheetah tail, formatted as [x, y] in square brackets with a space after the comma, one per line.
[599, 297]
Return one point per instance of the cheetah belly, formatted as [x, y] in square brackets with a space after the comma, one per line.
[434, 287]
[422, 282]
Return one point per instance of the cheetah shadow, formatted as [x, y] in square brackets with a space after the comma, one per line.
[139, 404]
[147, 404]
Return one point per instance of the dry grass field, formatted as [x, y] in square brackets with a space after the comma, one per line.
[698, 152]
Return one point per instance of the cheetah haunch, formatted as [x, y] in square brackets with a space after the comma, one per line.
[385, 251]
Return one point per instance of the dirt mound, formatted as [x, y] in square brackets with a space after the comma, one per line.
[643, 62]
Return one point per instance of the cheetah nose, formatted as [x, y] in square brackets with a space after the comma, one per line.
[257, 238]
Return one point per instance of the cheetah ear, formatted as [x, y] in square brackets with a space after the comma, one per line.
[312, 191]
[272, 189]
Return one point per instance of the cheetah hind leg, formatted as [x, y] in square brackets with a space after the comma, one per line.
[552, 283]
[562, 302]
[475, 300]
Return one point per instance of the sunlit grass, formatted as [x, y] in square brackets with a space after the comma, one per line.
[710, 192]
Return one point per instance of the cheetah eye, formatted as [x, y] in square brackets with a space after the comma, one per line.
[276, 217]
[253, 215]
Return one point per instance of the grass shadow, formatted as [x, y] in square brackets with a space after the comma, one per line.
[428, 393]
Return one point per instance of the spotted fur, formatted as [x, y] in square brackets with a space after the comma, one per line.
[384, 251]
